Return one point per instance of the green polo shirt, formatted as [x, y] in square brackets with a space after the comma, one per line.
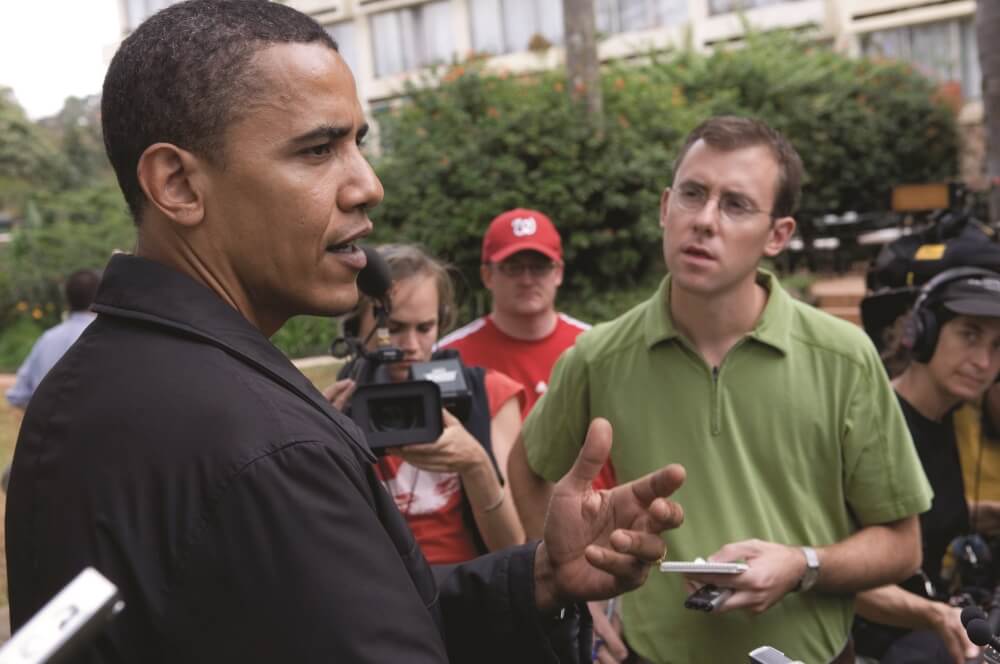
[796, 438]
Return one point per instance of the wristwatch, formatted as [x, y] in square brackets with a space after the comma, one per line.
[811, 574]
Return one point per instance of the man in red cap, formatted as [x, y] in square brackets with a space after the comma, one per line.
[524, 334]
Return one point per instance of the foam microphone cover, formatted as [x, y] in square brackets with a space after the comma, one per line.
[374, 280]
[970, 613]
[979, 632]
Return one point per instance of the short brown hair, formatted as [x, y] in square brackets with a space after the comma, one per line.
[732, 132]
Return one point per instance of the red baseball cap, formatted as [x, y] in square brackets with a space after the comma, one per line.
[521, 230]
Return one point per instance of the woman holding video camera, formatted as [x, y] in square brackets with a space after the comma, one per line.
[953, 339]
[451, 491]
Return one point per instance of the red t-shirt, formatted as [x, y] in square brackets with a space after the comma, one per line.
[431, 501]
[482, 344]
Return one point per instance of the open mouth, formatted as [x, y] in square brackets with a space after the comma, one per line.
[343, 248]
[698, 252]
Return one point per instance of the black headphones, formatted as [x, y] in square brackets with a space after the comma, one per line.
[920, 334]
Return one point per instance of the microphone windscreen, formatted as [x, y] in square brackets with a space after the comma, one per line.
[374, 280]
[970, 613]
[979, 631]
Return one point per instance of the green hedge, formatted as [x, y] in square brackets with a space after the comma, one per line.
[459, 153]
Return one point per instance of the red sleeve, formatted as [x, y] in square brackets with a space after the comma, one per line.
[501, 388]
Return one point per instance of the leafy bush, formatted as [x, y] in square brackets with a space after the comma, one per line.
[16, 341]
[63, 231]
[458, 153]
[306, 336]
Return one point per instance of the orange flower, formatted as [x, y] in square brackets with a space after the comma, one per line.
[22, 306]
[492, 112]
[559, 87]
[619, 83]
[36, 313]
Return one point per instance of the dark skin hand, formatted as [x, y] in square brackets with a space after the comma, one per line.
[599, 544]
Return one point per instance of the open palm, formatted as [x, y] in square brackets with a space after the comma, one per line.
[598, 544]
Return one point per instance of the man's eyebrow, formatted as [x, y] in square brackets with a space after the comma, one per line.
[328, 132]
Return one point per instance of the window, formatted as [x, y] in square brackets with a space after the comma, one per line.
[615, 16]
[411, 38]
[509, 26]
[728, 6]
[346, 37]
[945, 51]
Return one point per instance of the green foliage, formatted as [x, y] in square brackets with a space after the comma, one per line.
[16, 341]
[475, 144]
[63, 231]
[306, 336]
[55, 178]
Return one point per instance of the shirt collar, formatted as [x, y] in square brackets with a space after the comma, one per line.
[140, 289]
[772, 329]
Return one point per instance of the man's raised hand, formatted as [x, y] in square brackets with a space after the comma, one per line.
[598, 544]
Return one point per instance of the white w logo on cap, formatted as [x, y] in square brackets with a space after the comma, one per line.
[524, 226]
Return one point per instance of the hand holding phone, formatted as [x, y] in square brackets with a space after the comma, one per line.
[708, 598]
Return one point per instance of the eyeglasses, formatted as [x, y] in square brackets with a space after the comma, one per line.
[733, 207]
[517, 268]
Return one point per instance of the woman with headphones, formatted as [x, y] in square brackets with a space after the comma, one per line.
[451, 491]
[953, 338]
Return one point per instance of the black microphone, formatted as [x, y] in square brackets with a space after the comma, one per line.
[971, 613]
[374, 280]
[979, 633]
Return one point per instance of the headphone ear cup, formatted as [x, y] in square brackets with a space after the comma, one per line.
[925, 335]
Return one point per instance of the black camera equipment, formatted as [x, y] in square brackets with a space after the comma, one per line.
[404, 413]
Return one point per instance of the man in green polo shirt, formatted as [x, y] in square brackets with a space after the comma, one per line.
[798, 459]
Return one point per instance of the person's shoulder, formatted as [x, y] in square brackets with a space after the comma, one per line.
[825, 332]
[458, 336]
[568, 322]
[609, 338]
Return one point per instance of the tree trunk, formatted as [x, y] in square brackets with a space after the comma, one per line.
[987, 32]
[583, 69]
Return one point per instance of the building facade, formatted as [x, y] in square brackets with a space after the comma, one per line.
[387, 42]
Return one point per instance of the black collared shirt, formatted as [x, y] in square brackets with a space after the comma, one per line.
[182, 455]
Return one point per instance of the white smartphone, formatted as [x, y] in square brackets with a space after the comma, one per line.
[67, 623]
[699, 566]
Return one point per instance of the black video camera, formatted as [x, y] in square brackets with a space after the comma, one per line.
[408, 412]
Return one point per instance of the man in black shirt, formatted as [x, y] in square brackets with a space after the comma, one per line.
[177, 451]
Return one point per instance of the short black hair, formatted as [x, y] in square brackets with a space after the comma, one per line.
[185, 74]
[81, 288]
[732, 132]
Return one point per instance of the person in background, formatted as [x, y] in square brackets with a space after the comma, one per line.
[451, 491]
[79, 290]
[799, 459]
[524, 335]
[952, 337]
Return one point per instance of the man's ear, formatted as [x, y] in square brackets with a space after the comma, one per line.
[173, 179]
[486, 275]
[779, 236]
[664, 199]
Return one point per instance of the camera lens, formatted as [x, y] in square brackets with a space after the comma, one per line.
[395, 414]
